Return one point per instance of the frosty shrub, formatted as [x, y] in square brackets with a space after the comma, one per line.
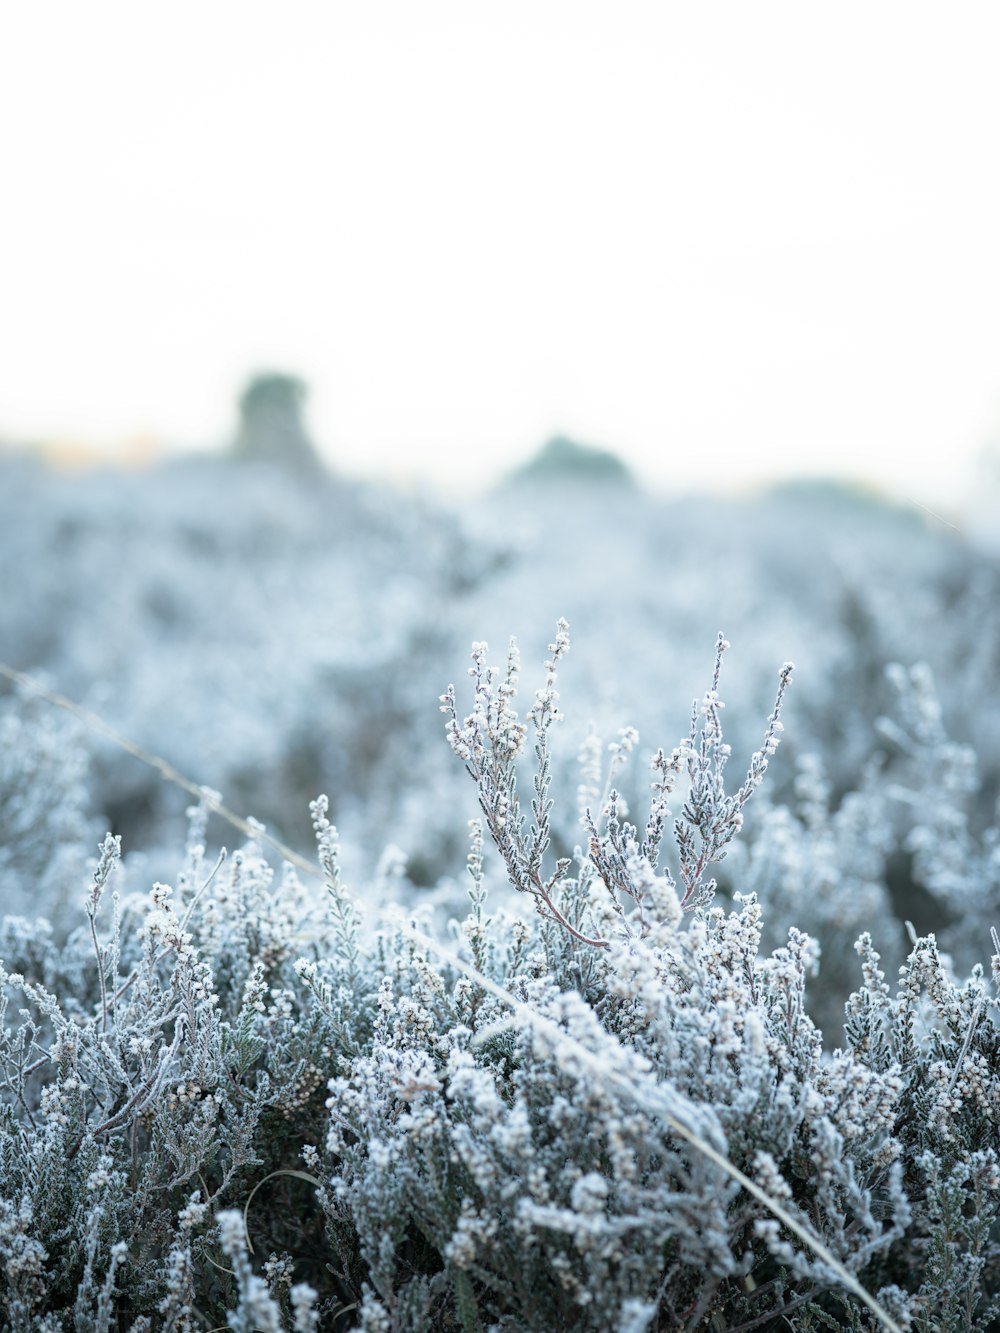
[274, 635]
[265, 591]
[228, 1103]
[45, 826]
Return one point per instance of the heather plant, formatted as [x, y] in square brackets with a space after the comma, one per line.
[233, 1102]
[946, 828]
[45, 821]
[822, 866]
[265, 594]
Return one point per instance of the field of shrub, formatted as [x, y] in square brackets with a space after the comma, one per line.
[545, 1000]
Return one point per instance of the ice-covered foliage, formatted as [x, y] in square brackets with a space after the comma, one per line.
[267, 633]
[272, 635]
[603, 1104]
[44, 800]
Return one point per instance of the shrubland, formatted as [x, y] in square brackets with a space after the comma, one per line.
[697, 1037]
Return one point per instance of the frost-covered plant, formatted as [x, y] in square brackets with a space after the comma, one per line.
[490, 740]
[225, 1103]
[822, 867]
[45, 823]
[280, 591]
[152, 1065]
[548, 1184]
[949, 831]
[942, 1039]
[265, 596]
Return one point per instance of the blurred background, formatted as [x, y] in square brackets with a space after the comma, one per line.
[335, 336]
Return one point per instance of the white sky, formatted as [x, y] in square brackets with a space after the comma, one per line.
[727, 239]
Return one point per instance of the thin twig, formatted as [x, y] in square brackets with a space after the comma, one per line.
[100, 973]
[966, 1043]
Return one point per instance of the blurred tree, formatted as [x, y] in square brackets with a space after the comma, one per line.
[271, 425]
[561, 459]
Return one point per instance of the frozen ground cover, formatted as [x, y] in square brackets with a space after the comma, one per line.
[688, 1048]
[273, 636]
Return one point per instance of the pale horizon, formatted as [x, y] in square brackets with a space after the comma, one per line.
[729, 245]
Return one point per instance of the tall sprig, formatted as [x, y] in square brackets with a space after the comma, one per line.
[489, 741]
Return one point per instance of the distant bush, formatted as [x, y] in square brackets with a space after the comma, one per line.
[567, 461]
[271, 425]
[228, 1104]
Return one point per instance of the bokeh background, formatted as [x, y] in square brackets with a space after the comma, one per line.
[334, 337]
